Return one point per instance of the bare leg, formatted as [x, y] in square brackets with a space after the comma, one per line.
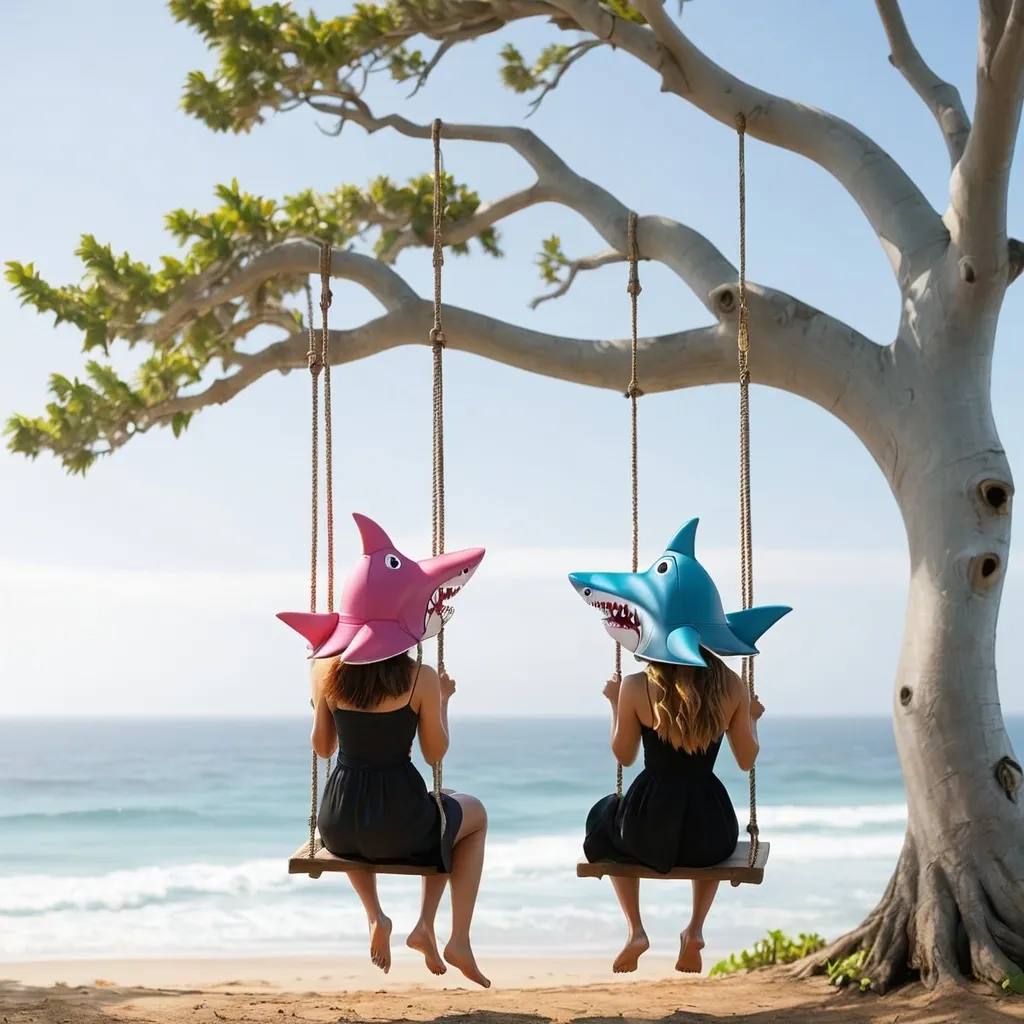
[628, 892]
[467, 867]
[422, 937]
[691, 941]
[365, 885]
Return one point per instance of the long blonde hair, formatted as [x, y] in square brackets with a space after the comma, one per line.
[690, 704]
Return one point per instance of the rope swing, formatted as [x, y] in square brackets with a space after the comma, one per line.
[749, 859]
[312, 858]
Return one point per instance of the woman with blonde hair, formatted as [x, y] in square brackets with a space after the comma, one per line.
[676, 813]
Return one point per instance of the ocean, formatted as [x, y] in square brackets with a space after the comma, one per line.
[123, 838]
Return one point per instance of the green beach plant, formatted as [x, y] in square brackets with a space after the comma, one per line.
[776, 948]
[849, 971]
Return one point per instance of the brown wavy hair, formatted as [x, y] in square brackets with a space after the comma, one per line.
[365, 686]
[690, 703]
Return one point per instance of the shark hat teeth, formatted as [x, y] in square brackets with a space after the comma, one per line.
[389, 602]
[672, 611]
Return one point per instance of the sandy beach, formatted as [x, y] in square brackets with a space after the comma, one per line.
[323, 990]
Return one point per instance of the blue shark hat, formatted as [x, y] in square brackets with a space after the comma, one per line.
[673, 609]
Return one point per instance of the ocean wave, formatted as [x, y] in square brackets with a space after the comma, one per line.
[566, 916]
[105, 816]
[515, 864]
[841, 817]
[31, 894]
[575, 917]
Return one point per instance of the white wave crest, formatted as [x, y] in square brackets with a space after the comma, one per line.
[841, 817]
[519, 865]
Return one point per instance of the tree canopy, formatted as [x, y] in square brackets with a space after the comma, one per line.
[269, 58]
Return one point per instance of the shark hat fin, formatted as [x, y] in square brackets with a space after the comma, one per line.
[683, 644]
[683, 542]
[372, 536]
[316, 627]
[748, 625]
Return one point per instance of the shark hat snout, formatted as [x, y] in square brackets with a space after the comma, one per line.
[578, 580]
[623, 616]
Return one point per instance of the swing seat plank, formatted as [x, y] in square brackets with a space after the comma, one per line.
[300, 863]
[735, 870]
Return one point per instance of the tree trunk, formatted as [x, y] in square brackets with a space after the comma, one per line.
[955, 904]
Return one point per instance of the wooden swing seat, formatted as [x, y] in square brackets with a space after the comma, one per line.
[300, 863]
[735, 870]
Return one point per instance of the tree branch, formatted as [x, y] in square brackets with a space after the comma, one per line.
[980, 183]
[911, 231]
[992, 15]
[601, 259]
[578, 52]
[942, 98]
[299, 258]
[686, 252]
[796, 348]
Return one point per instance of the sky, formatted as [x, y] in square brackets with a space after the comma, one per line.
[150, 587]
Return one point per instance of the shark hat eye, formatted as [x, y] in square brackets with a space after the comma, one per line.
[662, 566]
[586, 593]
[393, 561]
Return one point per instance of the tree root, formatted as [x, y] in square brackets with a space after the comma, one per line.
[945, 922]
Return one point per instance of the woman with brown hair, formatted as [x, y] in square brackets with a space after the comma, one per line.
[371, 700]
[676, 813]
[376, 806]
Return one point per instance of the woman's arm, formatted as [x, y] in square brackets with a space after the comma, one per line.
[325, 734]
[625, 720]
[742, 729]
[431, 706]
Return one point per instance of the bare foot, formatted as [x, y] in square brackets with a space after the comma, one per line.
[460, 955]
[690, 945]
[626, 961]
[380, 943]
[423, 941]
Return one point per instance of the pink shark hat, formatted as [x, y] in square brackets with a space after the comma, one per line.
[389, 602]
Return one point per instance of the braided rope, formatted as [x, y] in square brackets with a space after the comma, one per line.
[746, 529]
[633, 392]
[318, 361]
[437, 343]
[314, 369]
[326, 253]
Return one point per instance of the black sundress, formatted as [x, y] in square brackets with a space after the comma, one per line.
[676, 813]
[376, 806]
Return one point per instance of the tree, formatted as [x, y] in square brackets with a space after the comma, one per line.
[920, 404]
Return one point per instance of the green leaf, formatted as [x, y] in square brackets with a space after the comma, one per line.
[1014, 983]
[180, 422]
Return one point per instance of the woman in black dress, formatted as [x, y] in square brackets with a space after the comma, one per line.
[376, 806]
[676, 812]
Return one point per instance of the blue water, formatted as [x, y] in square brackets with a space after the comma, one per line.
[163, 838]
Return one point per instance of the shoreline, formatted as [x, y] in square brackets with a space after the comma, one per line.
[321, 973]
